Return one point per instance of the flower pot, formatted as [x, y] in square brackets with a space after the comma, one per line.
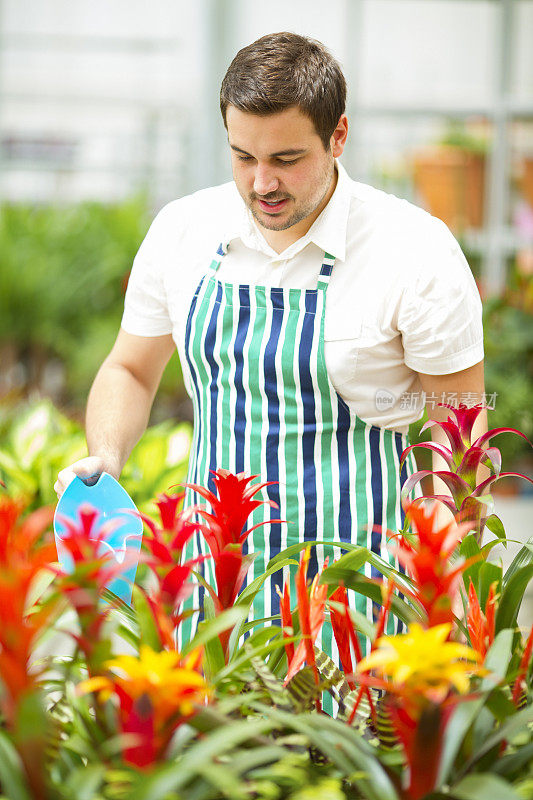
[451, 184]
[527, 180]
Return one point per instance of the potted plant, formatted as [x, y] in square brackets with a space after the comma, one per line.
[449, 177]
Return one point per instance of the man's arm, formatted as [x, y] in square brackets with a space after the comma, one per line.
[119, 404]
[469, 380]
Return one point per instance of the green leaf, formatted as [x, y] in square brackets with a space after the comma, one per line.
[495, 525]
[367, 587]
[247, 595]
[83, 783]
[488, 573]
[500, 705]
[173, 777]
[295, 549]
[522, 558]
[515, 724]
[278, 694]
[469, 548]
[354, 560]
[498, 657]
[513, 763]
[242, 658]
[38, 587]
[473, 787]
[228, 618]
[460, 722]
[213, 653]
[11, 770]
[344, 747]
[512, 596]
[145, 619]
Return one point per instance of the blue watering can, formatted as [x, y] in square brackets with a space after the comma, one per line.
[113, 503]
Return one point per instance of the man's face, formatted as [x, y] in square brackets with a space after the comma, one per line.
[280, 167]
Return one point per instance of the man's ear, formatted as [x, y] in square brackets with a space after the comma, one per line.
[339, 136]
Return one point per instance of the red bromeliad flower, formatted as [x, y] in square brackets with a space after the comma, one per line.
[523, 669]
[93, 567]
[463, 458]
[311, 611]
[481, 626]
[225, 534]
[165, 545]
[346, 637]
[21, 558]
[230, 509]
[344, 633]
[426, 558]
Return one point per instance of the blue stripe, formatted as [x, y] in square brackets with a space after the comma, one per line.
[398, 441]
[377, 495]
[193, 373]
[343, 427]
[209, 346]
[309, 431]
[193, 478]
[327, 269]
[240, 337]
[272, 439]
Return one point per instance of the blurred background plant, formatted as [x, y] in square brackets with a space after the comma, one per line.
[62, 283]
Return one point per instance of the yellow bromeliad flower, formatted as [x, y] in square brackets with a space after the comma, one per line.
[171, 683]
[424, 662]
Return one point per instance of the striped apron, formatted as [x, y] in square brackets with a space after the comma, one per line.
[264, 405]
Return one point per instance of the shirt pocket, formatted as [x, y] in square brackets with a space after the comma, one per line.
[342, 342]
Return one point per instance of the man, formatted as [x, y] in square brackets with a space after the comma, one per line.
[313, 394]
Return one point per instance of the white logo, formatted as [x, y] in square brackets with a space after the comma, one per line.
[384, 399]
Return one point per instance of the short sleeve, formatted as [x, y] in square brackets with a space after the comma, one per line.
[145, 305]
[440, 316]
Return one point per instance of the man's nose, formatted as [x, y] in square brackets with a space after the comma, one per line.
[265, 180]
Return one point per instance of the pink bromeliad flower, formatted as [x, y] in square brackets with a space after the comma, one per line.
[463, 458]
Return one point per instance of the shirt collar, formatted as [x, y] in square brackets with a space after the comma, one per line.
[328, 231]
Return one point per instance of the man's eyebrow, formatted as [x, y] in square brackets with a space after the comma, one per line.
[290, 152]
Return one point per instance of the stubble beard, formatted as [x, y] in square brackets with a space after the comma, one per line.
[299, 214]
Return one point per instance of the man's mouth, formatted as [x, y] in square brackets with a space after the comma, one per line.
[272, 206]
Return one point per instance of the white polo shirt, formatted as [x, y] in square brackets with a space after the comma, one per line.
[401, 298]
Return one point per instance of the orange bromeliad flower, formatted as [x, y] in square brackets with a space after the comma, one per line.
[481, 626]
[426, 557]
[156, 693]
[311, 611]
[21, 558]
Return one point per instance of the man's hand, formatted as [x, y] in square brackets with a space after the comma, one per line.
[86, 468]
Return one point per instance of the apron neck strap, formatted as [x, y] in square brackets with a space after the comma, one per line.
[325, 272]
[222, 249]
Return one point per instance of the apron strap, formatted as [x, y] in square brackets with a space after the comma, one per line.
[222, 249]
[325, 272]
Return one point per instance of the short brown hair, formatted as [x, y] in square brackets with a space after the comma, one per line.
[282, 70]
